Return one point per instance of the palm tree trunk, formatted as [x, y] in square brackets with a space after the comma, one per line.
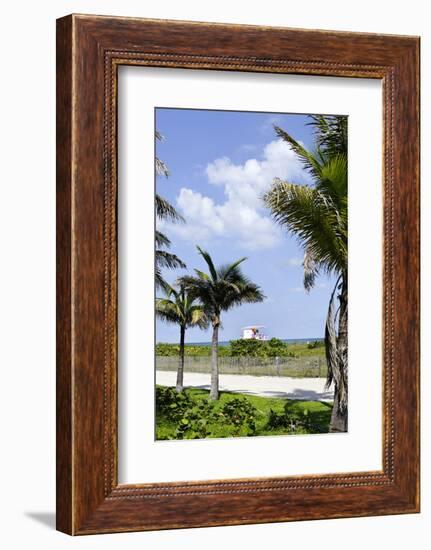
[180, 371]
[338, 421]
[214, 393]
[339, 415]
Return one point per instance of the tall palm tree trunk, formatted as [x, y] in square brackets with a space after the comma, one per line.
[214, 393]
[339, 415]
[180, 371]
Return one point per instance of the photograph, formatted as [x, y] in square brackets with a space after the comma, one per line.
[213, 321]
[251, 273]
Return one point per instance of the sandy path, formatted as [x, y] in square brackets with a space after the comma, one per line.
[310, 389]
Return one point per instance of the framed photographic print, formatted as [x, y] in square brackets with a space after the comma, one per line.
[237, 274]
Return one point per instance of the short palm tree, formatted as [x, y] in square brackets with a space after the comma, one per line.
[219, 290]
[317, 215]
[180, 308]
[164, 211]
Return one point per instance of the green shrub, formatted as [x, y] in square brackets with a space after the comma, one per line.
[259, 348]
[292, 419]
[167, 350]
[190, 415]
[246, 348]
[173, 350]
[315, 344]
[277, 348]
[194, 424]
[275, 420]
[240, 414]
[172, 404]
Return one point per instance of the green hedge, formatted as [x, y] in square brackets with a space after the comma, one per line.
[245, 348]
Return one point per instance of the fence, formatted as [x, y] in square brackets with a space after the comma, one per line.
[298, 367]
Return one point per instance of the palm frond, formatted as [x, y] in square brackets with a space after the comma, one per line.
[311, 217]
[330, 132]
[202, 275]
[161, 239]
[231, 270]
[198, 317]
[168, 290]
[189, 282]
[168, 260]
[250, 294]
[199, 288]
[225, 287]
[161, 168]
[209, 262]
[310, 161]
[159, 281]
[311, 269]
[180, 308]
[333, 181]
[165, 210]
[168, 311]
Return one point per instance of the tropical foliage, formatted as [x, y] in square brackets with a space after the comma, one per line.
[189, 415]
[316, 213]
[239, 413]
[260, 348]
[188, 418]
[221, 289]
[164, 211]
[178, 307]
[246, 348]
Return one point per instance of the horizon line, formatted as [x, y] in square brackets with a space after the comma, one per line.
[235, 339]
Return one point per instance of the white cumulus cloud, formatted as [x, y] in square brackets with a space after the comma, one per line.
[241, 216]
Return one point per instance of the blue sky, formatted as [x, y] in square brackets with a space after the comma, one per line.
[220, 163]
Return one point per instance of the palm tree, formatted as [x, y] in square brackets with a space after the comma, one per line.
[164, 211]
[219, 290]
[317, 215]
[180, 308]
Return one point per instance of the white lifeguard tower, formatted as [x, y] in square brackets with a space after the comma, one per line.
[253, 332]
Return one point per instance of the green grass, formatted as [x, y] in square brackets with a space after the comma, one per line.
[302, 350]
[319, 414]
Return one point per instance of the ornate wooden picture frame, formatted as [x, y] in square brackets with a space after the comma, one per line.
[89, 51]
